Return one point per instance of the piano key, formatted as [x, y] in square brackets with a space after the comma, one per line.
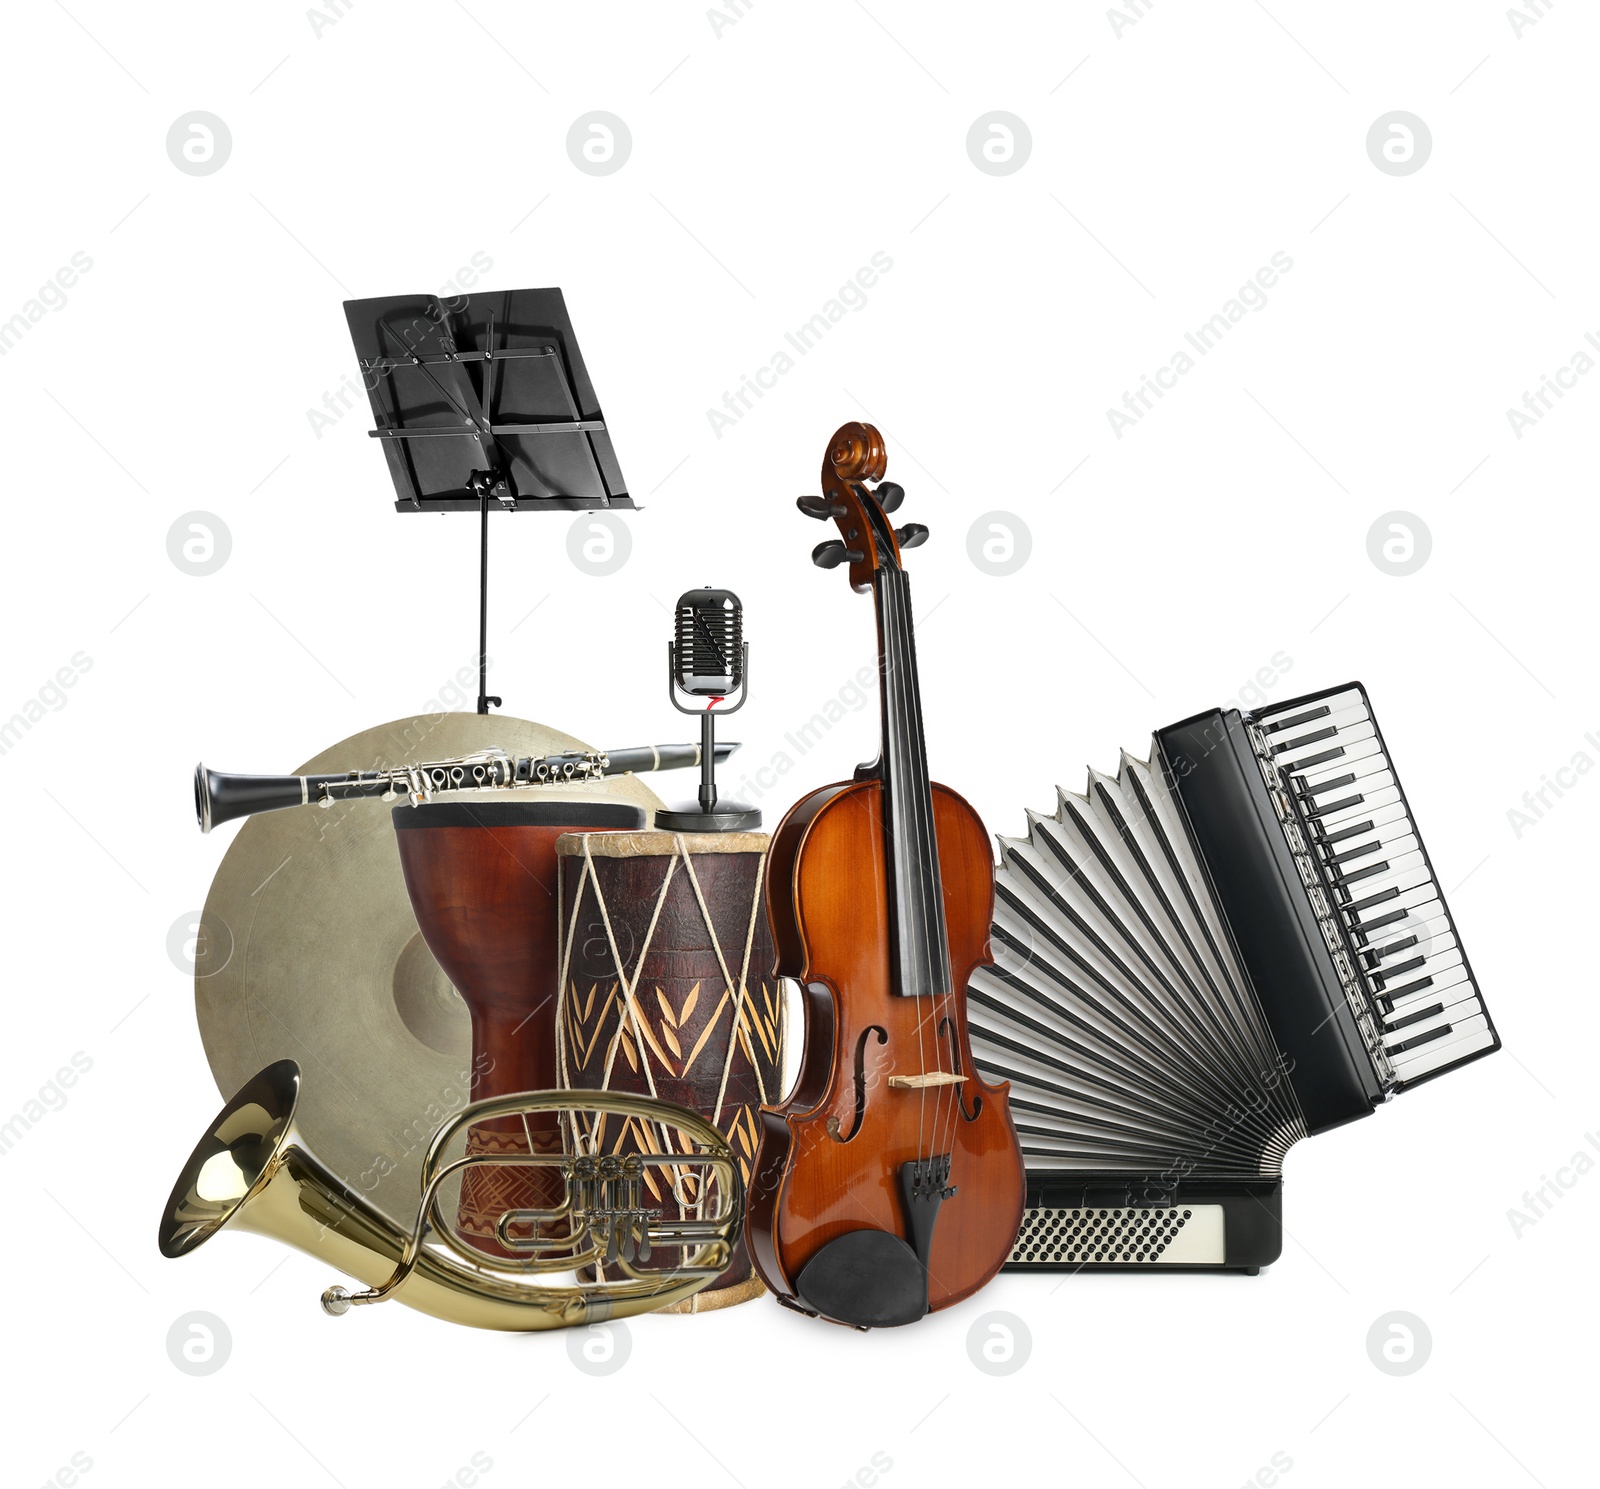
[1403, 994]
[1302, 749]
[1397, 878]
[1442, 1004]
[1360, 852]
[1339, 804]
[1383, 826]
[1334, 702]
[1426, 990]
[1405, 1021]
[1367, 820]
[1363, 862]
[1296, 757]
[1398, 969]
[1363, 877]
[1419, 940]
[1341, 725]
[1328, 841]
[1428, 933]
[1469, 1016]
[1389, 821]
[1394, 907]
[1341, 798]
[1422, 905]
[1293, 745]
[1384, 823]
[1446, 1017]
[1464, 992]
[1323, 716]
[1377, 958]
[1464, 1039]
[1424, 925]
[1446, 985]
[1384, 859]
[1441, 1030]
[1368, 844]
[1310, 715]
[1392, 980]
[1361, 758]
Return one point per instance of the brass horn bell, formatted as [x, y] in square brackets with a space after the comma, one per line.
[254, 1171]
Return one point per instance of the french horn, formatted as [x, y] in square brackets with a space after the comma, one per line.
[254, 1171]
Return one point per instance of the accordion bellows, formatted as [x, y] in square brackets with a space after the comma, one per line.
[1117, 1006]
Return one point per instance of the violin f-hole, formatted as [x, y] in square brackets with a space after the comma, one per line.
[948, 1030]
[860, 1084]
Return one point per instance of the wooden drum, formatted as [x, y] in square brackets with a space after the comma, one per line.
[483, 883]
[667, 990]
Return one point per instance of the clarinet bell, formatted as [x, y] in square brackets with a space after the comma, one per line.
[219, 798]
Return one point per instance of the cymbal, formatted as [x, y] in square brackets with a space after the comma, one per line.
[309, 951]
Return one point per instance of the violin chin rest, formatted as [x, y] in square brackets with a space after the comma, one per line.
[867, 1278]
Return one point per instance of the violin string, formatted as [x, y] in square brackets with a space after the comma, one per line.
[947, 1106]
[895, 785]
[947, 1100]
[918, 807]
[919, 810]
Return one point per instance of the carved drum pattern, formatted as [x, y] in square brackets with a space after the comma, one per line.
[667, 990]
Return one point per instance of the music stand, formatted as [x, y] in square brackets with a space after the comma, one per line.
[484, 399]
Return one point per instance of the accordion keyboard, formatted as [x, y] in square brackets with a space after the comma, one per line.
[1330, 759]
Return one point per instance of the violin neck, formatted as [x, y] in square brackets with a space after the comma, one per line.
[919, 947]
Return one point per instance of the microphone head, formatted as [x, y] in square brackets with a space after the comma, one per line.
[708, 654]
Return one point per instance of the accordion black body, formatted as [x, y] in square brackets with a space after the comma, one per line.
[1202, 960]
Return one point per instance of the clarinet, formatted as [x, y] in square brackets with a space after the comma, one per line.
[219, 797]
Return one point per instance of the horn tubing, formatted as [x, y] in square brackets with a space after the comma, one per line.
[253, 1170]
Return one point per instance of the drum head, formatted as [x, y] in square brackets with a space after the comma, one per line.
[313, 955]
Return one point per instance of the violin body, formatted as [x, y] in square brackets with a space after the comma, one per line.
[827, 902]
[890, 1183]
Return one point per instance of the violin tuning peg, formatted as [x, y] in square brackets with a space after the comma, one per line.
[890, 494]
[912, 535]
[816, 506]
[831, 555]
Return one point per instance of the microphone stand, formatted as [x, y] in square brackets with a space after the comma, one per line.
[713, 814]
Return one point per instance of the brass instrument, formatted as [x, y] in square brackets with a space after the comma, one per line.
[219, 797]
[253, 1170]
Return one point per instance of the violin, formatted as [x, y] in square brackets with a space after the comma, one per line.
[890, 1183]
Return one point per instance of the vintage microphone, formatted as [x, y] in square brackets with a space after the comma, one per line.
[708, 658]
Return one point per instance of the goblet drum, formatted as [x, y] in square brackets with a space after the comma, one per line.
[667, 990]
[482, 881]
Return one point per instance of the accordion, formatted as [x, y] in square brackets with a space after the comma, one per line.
[1202, 960]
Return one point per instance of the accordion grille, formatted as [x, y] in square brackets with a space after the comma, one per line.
[1117, 1006]
[1190, 1235]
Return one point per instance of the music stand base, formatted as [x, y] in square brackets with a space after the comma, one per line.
[731, 816]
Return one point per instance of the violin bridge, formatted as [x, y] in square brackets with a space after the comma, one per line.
[926, 1079]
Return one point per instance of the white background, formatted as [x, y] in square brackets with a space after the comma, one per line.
[771, 158]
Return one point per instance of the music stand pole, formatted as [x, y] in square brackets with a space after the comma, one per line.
[484, 700]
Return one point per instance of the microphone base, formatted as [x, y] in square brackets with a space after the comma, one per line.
[726, 816]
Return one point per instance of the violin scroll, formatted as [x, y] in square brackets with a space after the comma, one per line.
[855, 453]
[855, 456]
